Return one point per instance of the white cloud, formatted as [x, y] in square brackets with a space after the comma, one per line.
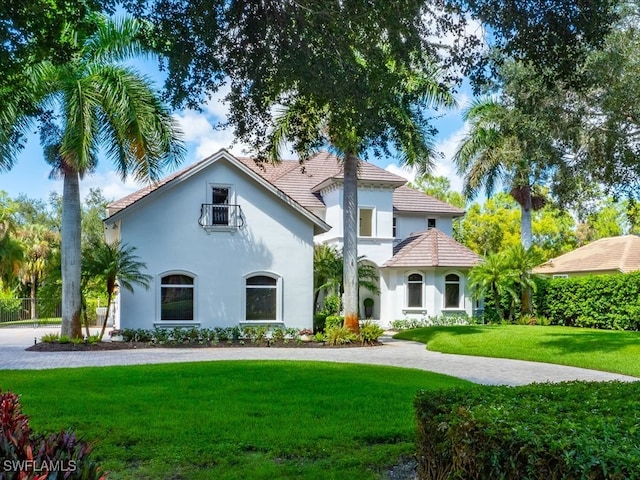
[113, 188]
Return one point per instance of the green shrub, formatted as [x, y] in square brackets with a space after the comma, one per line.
[333, 321]
[50, 338]
[370, 333]
[574, 430]
[595, 301]
[332, 305]
[161, 336]
[93, 339]
[249, 333]
[278, 334]
[319, 320]
[339, 335]
[64, 339]
[77, 340]
[9, 306]
[137, 335]
[20, 446]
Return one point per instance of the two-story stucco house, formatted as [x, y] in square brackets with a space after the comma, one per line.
[230, 242]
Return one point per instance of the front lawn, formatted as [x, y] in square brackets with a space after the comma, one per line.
[232, 420]
[42, 322]
[607, 350]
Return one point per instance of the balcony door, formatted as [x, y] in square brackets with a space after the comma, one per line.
[220, 201]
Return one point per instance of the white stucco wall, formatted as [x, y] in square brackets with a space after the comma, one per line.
[275, 239]
[393, 286]
[408, 224]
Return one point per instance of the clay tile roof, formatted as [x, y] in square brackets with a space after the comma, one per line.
[431, 248]
[407, 199]
[132, 198]
[302, 181]
[605, 255]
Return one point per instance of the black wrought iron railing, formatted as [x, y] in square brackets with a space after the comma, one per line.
[217, 215]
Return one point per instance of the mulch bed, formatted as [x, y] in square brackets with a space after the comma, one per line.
[86, 347]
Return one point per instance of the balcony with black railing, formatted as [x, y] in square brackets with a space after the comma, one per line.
[220, 217]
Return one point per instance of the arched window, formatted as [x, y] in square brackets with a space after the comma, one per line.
[261, 298]
[176, 297]
[414, 290]
[452, 291]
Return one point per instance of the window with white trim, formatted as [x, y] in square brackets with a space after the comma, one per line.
[452, 291]
[261, 298]
[365, 224]
[414, 290]
[176, 297]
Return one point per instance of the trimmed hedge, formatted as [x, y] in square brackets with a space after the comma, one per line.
[595, 301]
[575, 430]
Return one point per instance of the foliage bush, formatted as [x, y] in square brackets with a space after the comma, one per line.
[9, 305]
[442, 320]
[573, 430]
[339, 335]
[370, 333]
[595, 301]
[26, 455]
[333, 321]
[332, 305]
[319, 320]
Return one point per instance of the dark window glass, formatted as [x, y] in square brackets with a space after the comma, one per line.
[176, 302]
[414, 290]
[261, 298]
[452, 291]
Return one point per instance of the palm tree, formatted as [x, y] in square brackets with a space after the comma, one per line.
[39, 244]
[114, 265]
[328, 271]
[310, 125]
[493, 153]
[90, 102]
[522, 261]
[493, 278]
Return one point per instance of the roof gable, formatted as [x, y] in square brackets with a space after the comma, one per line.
[431, 248]
[147, 193]
[605, 255]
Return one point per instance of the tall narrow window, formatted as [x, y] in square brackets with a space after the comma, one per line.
[395, 227]
[452, 291]
[220, 202]
[176, 297]
[365, 222]
[261, 298]
[414, 290]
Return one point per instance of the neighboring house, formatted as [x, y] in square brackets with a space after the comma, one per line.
[604, 256]
[230, 242]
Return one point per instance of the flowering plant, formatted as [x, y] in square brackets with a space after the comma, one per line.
[305, 331]
[115, 332]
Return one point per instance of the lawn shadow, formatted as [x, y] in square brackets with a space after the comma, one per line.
[582, 342]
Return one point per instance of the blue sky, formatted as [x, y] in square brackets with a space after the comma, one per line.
[30, 175]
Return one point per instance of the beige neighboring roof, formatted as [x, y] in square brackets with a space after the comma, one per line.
[605, 255]
[431, 248]
[409, 200]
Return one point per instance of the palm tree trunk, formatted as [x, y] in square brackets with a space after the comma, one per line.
[34, 286]
[106, 315]
[71, 255]
[526, 238]
[350, 246]
[526, 235]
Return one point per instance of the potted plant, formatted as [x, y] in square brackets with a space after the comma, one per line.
[368, 307]
[116, 335]
[304, 335]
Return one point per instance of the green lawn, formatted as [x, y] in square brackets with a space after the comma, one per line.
[612, 351]
[232, 420]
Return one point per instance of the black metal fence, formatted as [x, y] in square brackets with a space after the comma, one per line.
[29, 313]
